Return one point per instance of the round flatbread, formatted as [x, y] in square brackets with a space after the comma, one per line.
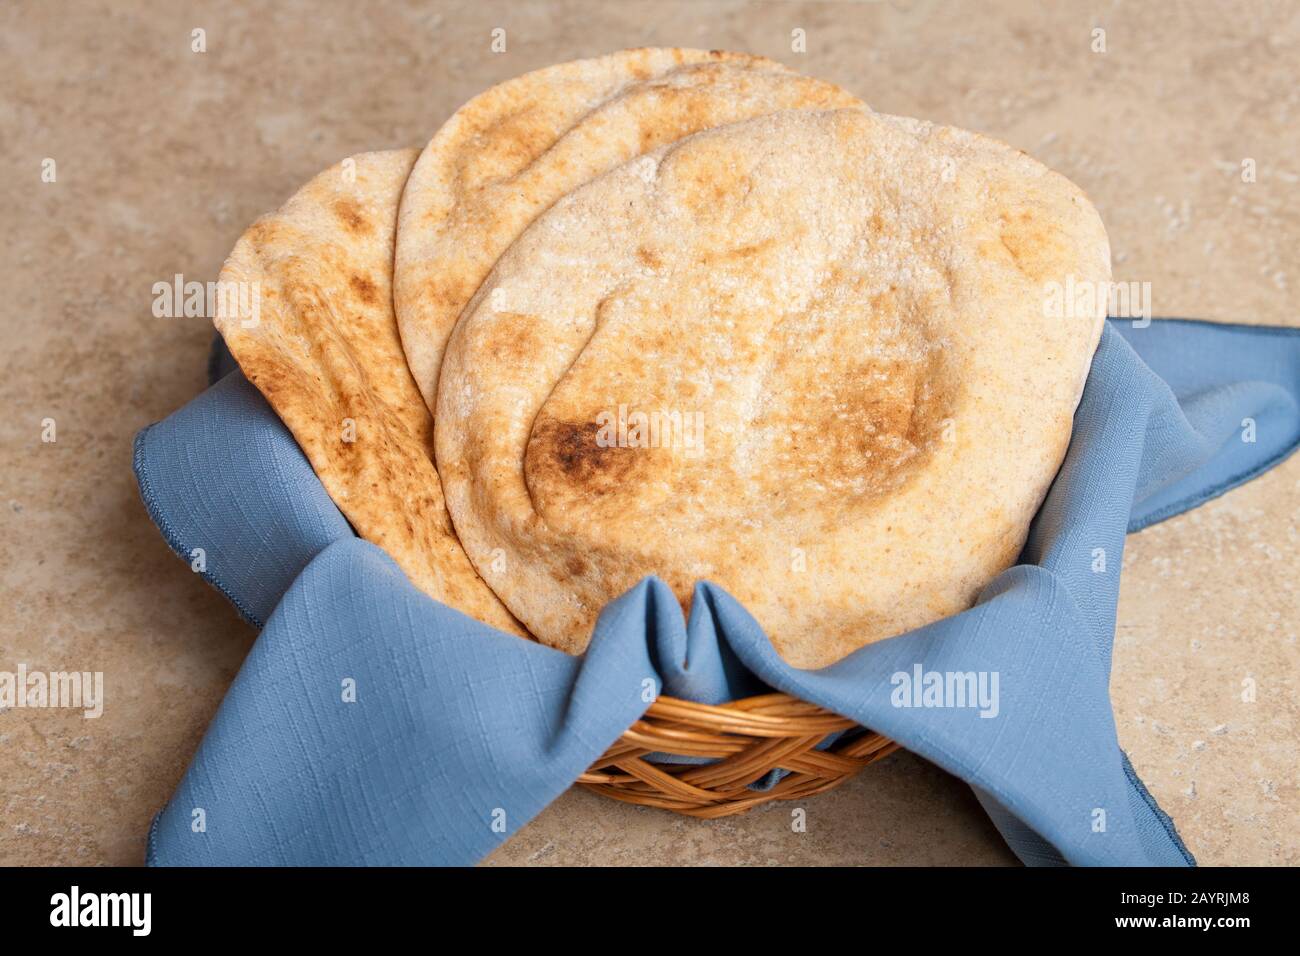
[318, 338]
[808, 357]
[511, 152]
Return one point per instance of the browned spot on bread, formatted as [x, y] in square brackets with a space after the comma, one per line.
[740, 253]
[678, 112]
[712, 189]
[576, 566]
[648, 258]
[446, 291]
[365, 289]
[265, 232]
[574, 454]
[517, 343]
[507, 144]
[1034, 244]
[351, 215]
[879, 423]
[1010, 247]
[886, 301]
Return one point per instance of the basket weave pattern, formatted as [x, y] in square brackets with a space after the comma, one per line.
[748, 738]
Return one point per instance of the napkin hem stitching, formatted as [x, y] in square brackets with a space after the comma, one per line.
[152, 506]
[150, 848]
[1164, 819]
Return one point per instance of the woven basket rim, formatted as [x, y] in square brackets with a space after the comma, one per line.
[777, 713]
[741, 741]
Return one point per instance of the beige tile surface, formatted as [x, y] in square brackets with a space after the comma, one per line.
[164, 155]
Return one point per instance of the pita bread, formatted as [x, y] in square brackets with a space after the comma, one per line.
[322, 346]
[510, 153]
[853, 304]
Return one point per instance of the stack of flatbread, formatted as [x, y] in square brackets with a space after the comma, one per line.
[688, 314]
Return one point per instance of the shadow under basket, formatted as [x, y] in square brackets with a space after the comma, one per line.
[747, 739]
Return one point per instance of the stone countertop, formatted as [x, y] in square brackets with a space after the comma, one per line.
[163, 155]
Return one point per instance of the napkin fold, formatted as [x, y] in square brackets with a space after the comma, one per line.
[372, 725]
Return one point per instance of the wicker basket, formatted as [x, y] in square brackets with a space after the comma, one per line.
[749, 738]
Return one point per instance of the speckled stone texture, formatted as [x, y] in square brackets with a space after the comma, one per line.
[164, 155]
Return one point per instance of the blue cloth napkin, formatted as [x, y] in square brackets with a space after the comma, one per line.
[372, 725]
